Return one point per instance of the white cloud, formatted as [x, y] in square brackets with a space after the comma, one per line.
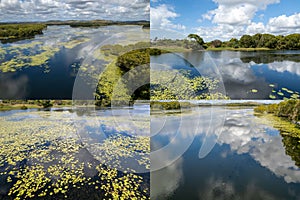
[284, 24]
[33, 10]
[234, 18]
[162, 16]
[222, 32]
[236, 12]
[254, 28]
[233, 15]
[281, 25]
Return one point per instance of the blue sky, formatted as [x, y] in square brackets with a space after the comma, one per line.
[224, 19]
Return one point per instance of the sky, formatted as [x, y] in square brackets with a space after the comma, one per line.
[223, 19]
[44, 10]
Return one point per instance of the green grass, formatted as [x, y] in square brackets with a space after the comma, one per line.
[8, 105]
[172, 49]
[236, 49]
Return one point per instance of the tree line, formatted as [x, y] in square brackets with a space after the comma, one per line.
[259, 40]
[289, 109]
[280, 42]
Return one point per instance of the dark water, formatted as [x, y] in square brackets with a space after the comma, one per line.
[55, 78]
[241, 72]
[87, 128]
[246, 159]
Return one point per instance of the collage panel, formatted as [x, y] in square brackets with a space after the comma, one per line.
[74, 92]
[224, 100]
[156, 99]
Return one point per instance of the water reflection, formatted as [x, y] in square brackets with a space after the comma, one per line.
[250, 161]
[270, 57]
[51, 61]
[241, 72]
[72, 156]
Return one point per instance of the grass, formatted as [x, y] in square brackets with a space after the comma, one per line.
[170, 105]
[172, 49]
[8, 105]
[236, 49]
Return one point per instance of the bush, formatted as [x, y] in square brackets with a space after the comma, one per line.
[23, 107]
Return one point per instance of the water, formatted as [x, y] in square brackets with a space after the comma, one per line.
[75, 153]
[54, 73]
[247, 158]
[241, 72]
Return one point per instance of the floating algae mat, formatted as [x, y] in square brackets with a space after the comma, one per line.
[45, 155]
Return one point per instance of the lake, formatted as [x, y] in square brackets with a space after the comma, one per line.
[46, 66]
[222, 153]
[243, 75]
[75, 153]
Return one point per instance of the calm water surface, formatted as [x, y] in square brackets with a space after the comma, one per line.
[55, 78]
[67, 146]
[246, 159]
[241, 72]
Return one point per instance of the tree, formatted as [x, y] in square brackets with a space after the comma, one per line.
[196, 37]
[216, 43]
[246, 41]
[233, 42]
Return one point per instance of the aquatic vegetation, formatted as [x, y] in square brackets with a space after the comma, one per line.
[37, 57]
[18, 47]
[284, 126]
[286, 115]
[73, 43]
[117, 149]
[283, 93]
[42, 58]
[2, 53]
[33, 54]
[41, 155]
[12, 65]
[122, 187]
[175, 85]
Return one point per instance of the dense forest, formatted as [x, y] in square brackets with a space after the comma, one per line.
[257, 41]
[15, 31]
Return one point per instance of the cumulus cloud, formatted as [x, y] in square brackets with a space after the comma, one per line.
[284, 24]
[232, 27]
[41, 10]
[286, 66]
[162, 16]
[222, 32]
[236, 12]
[254, 28]
[234, 18]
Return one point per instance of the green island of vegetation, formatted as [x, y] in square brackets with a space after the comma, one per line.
[11, 32]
